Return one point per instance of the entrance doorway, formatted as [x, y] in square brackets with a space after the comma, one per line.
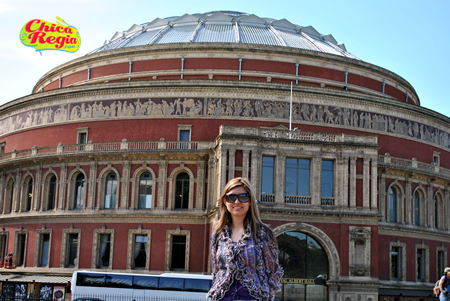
[306, 268]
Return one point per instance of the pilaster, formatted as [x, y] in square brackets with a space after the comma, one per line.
[280, 178]
[366, 183]
[2, 190]
[125, 191]
[255, 176]
[37, 188]
[93, 166]
[409, 199]
[222, 170]
[245, 160]
[231, 163]
[430, 205]
[373, 183]
[382, 195]
[200, 203]
[162, 184]
[16, 201]
[316, 180]
[352, 182]
[345, 181]
[62, 186]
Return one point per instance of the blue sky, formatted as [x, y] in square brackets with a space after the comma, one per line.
[407, 37]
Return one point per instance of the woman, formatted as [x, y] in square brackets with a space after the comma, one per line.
[244, 252]
[444, 286]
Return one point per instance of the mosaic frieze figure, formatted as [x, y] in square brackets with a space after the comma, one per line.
[227, 107]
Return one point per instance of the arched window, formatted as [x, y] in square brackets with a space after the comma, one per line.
[302, 257]
[51, 198]
[110, 191]
[182, 191]
[79, 192]
[9, 197]
[145, 191]
[28, 198]
[437, 212]
[417, 208]
[392, 205]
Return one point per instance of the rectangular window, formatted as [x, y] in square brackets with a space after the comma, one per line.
[440, 263]
[104, 250]
[140, 251]
[297, 176]
[327, 178]
[2, 248]
[82, 138]
[21, 249]
[45, 249]
[420, 259]
[395, 263]
[178, 252]
[267, 187]
[184, 135]
[72, 249]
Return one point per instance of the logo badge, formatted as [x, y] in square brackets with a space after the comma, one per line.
[43, 35]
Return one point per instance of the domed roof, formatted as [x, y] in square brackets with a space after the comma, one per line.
[225, 27]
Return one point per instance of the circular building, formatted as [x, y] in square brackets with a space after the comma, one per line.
[117, 159]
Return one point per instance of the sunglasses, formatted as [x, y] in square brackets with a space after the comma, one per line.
[243, 197]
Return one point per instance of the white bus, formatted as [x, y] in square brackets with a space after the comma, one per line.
[106, 286]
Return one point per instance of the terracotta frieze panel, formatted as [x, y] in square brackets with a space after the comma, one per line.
[223, 107]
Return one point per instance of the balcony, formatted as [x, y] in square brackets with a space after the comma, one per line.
[109, 147]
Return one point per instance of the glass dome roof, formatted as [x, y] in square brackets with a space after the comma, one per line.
[225, 27]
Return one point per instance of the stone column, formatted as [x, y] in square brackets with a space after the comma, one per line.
[352, 182]
[408, 199]
[345, 181]
[231, 163]
[382, 195]
[125, 191]
[200, 203]
[162, 184]
[373, 185]
[430, 206]
[17, 187]
[222, 170]
[256, 171]
[93, 166]
[366, 183]
[245, 157]
[280, 178]
[210, 197]
[62, 186]
[37, 188]
[315, 182]
[447, 208]
[2, 191]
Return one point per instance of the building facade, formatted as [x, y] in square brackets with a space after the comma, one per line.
[117, 159]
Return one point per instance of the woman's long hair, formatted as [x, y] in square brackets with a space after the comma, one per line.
[252, 218]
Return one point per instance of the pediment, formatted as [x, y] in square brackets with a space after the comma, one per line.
[186, 18]
[284, 24]
[117, 35]
[252, 20]
[135, 28]
[219, 17]
[157, 23]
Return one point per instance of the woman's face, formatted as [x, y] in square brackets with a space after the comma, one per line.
[237, 209]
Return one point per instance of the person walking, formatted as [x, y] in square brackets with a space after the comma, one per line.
[444, 286]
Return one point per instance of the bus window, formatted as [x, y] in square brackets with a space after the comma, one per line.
[145, 282]
[119, 281]
[173, 284]
[85, 279]
[197, 285]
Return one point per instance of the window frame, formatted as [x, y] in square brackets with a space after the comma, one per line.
[401, 260]
[73, 190]
[152, 201]
[268, 197]
[64, 262]
[47, 194]
[132, 233]
[394, 208]
[292, 198]
[17, 247]
[184, 182]
[169, 248]
[441, 250]
[39, 247]
[95, 264]
[327, 200]
[114, 192]
[135, 182]
[425, 263]
[4, 237]
[9, 196]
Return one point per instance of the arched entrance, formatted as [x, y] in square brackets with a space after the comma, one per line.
[305, 253]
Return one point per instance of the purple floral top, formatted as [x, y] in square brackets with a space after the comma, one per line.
[254, 265]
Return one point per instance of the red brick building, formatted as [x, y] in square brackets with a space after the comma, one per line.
[117, 159]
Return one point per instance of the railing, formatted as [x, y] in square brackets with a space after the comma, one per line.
[109, 146]
[327, 201]
[297, 199]
[267, 198]
[135, 297]
[414, 164]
